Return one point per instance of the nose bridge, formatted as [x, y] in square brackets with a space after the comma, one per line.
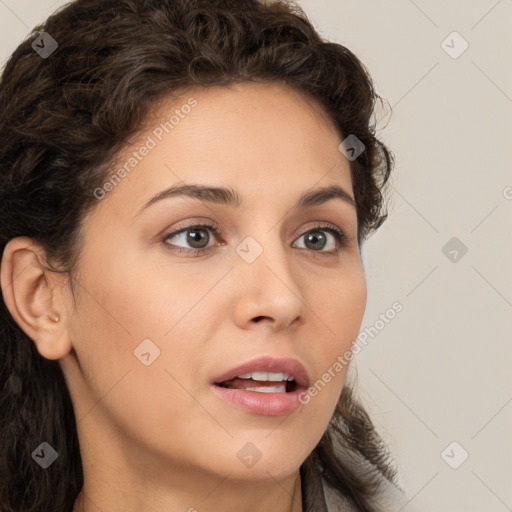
[263, 248]
[270, 286]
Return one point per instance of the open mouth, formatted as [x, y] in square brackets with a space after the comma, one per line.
[262, 382]
[266, 386]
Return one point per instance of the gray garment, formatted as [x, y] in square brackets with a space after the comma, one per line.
[318, 496]
[391, 499]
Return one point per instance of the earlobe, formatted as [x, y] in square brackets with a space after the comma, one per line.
[31, 298]
[54, 316]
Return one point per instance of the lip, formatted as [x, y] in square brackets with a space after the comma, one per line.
[267, 404]
[269, 364]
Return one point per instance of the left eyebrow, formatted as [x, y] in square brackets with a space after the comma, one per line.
[230, 197]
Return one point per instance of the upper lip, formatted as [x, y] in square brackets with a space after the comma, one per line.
[269, 364]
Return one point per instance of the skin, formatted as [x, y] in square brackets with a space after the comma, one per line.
[155, 437]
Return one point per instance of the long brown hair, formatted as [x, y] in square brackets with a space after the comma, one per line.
[65, 117]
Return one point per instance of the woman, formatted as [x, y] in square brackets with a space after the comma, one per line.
[185, 188]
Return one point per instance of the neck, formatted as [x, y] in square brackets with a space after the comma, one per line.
[198, 494]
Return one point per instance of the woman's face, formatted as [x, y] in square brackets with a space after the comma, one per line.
[156, 325]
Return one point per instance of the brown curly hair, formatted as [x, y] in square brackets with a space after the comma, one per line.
[64, 120]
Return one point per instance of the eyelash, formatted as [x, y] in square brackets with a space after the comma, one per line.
[338, 234]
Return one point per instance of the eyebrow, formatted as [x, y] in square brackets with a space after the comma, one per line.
[229, 197]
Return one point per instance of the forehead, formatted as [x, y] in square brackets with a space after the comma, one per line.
[263, 138]
[260, 120]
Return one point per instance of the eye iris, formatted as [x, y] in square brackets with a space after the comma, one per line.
[315, 237]
[197, 236]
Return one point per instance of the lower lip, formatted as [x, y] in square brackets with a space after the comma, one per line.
[267, 404]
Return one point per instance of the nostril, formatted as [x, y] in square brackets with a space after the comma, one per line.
[258, 318]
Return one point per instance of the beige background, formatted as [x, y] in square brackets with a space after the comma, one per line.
[438, 372]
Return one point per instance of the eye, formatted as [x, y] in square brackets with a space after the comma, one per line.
[316, 239]
[197, 237]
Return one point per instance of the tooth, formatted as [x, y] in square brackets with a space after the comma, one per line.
[261, 376]
[276, 389]
[267, 376]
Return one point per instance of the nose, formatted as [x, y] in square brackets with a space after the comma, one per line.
[268, 290]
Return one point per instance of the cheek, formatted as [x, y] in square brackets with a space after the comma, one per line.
[119, 310]
[337, 315]
[135, 298]
[340, 308]
[123, 305]
[351, 305]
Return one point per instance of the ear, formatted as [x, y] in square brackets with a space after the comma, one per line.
[34, 297]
